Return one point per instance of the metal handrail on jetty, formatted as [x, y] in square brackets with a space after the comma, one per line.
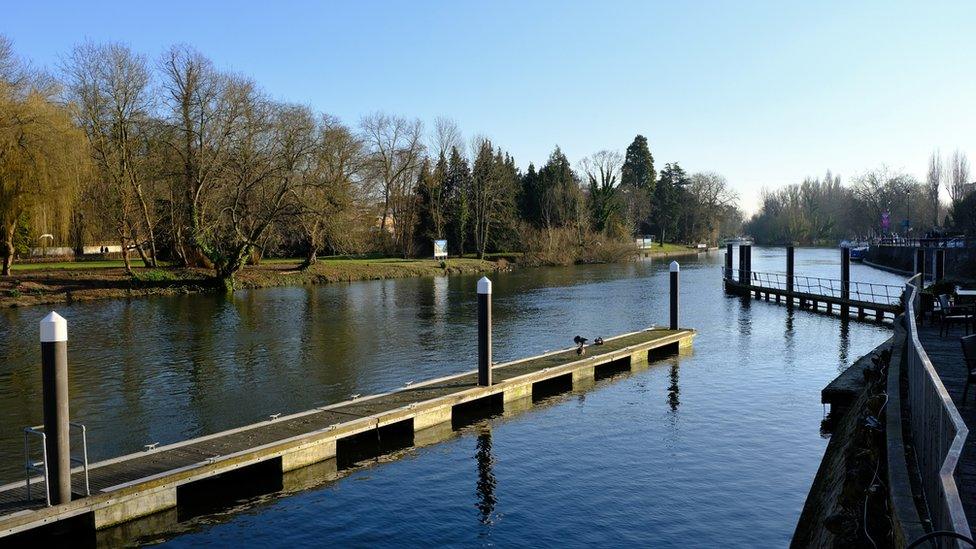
[871, 292]
[938, 429]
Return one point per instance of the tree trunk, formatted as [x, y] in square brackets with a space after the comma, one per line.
[125, 257]
[149, 228]
[8, 248]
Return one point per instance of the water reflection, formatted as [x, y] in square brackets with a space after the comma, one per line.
[485, 488]
[844, 345]
[674, 391]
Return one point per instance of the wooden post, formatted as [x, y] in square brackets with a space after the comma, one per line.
[789, 268]
[674, 270]
[939, 265]
[54, 383]
[845, 282]
[484, 331]
[728, 261]
[742, 264]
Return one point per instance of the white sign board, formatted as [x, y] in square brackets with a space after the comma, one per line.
[440, 249]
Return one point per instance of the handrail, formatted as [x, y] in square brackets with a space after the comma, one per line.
[938, 428]
[867, 292]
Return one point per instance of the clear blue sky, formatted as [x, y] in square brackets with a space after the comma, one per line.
[764, 93]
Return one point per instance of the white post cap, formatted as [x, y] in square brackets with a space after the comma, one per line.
[674, 267]
[54, 328]
[484, 286]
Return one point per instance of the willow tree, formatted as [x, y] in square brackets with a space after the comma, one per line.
[43, 155]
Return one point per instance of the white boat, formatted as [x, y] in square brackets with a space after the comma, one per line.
[738, 241]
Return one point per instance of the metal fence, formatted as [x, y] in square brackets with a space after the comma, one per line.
[940, 242]
[938, 430]
[868, 292]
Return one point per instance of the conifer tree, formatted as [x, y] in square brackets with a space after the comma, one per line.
[456, 183]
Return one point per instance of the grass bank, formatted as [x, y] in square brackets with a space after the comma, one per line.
[47, 283]
[40, 284]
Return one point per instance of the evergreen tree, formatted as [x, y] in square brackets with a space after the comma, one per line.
[638, 179]
[456, 185]
[528, 197]
[668, 197]
[557, 192]
[430, 223]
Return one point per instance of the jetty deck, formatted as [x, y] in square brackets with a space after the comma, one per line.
[164, 478]
[820, 297]
[946, 356]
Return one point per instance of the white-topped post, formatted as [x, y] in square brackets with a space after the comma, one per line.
[54, 382]
[674, 271]
[484, 331]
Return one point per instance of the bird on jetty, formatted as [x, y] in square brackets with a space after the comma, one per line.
[580, 341]
[598, 341]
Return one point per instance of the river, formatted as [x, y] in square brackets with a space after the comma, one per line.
[716, 447]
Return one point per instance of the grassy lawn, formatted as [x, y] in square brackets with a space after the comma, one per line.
[667, 248]
[65, 265]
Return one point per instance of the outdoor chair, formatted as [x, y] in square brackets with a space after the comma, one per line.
[949, 315]
[969, 355]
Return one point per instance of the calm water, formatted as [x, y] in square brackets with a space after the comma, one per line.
[715, 447]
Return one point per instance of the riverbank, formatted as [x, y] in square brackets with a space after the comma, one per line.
[42, 286]
[40, 283]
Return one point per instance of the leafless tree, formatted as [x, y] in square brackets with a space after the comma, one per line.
[710, 195]
[395, 149]
[203, 113]
[327, 192]
[934, 179]
[957, 179]
[111, 86]
[447, 135]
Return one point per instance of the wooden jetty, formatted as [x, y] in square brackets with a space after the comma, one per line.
[867, 299]
[816, 301]
[173, 476]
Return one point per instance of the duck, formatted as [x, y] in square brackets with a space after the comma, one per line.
[598, 341]
[579, 340]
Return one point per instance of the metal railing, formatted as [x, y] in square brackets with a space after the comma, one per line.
[937, 427]
[868, 292]
[937, 242]
[40, 467]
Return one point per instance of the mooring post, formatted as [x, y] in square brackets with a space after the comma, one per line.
[845, 281]
[742, 264]
[54, 390]
[728, 261]
[790, 250]
[674, 269]
[939, 265]
[920, 263]
[484, 331]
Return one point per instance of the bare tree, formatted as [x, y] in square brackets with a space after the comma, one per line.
[447, 135]
[934, 179]
[327, 191]
[395, 149]
[110, 84]
[202, 117]
[710, 195]
[957, 179]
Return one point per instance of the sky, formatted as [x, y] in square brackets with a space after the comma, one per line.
[764, 93]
